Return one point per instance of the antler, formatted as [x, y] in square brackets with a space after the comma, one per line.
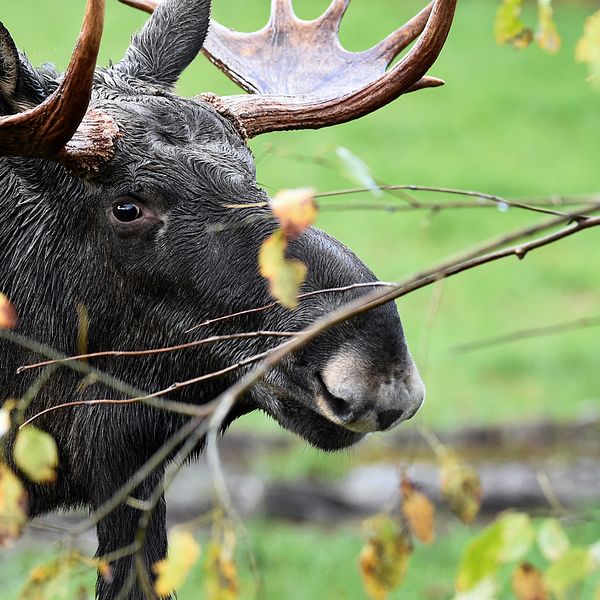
[300, 77]
[44, 131]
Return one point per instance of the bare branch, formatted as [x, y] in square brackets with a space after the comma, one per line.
[137, 353]
[525, 334]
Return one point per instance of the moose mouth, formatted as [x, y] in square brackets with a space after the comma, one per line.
[297, 407]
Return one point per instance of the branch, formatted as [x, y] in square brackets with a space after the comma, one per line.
[524, 334]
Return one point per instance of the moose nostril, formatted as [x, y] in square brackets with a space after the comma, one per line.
[339, 407]
[387, 418]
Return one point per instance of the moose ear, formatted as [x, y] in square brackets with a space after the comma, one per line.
[21, 86]
[169, 42]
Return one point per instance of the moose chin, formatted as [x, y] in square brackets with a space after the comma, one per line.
[116, 195]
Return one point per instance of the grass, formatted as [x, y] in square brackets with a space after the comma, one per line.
[312, 563]
[515, 124]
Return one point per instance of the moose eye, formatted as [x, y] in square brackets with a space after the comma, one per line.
[127, 212]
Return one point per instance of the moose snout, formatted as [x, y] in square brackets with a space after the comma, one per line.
[362, 398]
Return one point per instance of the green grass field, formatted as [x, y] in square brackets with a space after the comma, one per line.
[510, 123]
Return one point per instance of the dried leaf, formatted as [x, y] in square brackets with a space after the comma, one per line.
[36, 454]
[222, 577]
[528, 584]
[588, 46]
[357, 170]
[547, 36]
[295, 210]
[508, 27]
[13, 506]
[8, 314]
[172, 571]
[285, 275]
[384, 558]
[552, 539]
[569, 570]
[506, 540]
[461, 486]
[419, 512]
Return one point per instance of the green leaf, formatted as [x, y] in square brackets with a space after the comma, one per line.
[517, 536]
[172, 571]
[285, 275]
[552, 539]
[506, 540]
[508, 27]
[36, 454]
[547, 36]
[570, 569]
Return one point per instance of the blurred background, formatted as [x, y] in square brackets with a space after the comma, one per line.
[517, 124]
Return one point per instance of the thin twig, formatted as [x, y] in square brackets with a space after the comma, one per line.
[197, 411]
[137, 353]
[451, 191]
[525, 334]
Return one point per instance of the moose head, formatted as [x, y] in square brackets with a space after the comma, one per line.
[116, 196]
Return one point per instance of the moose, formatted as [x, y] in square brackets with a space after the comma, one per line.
[116, 196]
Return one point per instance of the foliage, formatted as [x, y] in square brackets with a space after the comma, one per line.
[172, 571]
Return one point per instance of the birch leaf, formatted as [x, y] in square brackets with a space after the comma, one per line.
[36, 454]
[285, 275]
[8, 314]
[461, 486]
[547, 36]
[384, 558]
[13, 506]
[295, 210]
[528, 583]
[172, 571]
[588, 46]
[419, 512]
[508, 27]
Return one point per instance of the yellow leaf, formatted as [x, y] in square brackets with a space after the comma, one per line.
[222, 577]
[461, 486]
[285, 275]
[384, 558]
[528, 583]
[508, 27]
[547, 36]
[295, 210]
[36, 454]
[172, 571]
[588, 47]
[8, 314]
[418, 511]
[13, 506]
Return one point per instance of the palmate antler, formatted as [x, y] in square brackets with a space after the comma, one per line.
[299, 76]
[59, 128]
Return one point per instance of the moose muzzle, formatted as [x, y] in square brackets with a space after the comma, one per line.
[363, 398]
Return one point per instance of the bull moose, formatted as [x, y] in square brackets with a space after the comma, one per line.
[115, 195]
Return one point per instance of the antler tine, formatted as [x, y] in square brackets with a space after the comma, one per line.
[397, 41]
[335, 13]
[42, 131]
[148, 6]
[282, 11]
